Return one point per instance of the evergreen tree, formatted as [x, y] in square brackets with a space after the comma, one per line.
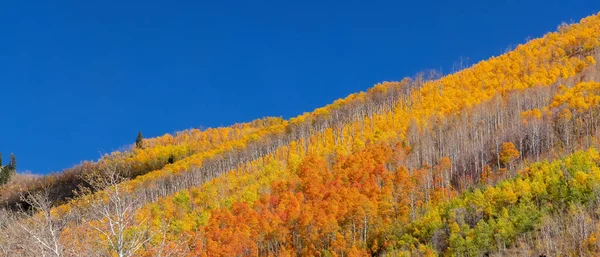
[4, 175]
[12, 164]
[139, 141]
[7, 171]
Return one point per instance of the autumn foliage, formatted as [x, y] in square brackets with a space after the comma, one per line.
[426, 166]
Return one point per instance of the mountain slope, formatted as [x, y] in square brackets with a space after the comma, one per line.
[389, 171]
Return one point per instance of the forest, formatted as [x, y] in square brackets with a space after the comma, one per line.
[500, 158]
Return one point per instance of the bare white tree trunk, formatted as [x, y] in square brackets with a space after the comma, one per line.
[111, 212]
[42, 228]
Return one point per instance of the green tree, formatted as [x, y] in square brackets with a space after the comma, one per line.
[139, 141]
[7, 171]
[12, 164]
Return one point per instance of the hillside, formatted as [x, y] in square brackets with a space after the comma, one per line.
[500, 158]
[155, 153]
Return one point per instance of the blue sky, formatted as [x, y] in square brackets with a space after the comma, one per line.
[80, 78]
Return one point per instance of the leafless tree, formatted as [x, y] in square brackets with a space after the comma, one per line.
[9, 236]
[41, 225]
[111, 211]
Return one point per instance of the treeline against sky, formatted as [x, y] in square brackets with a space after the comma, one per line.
[399, 169]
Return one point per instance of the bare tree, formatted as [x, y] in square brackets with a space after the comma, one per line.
[9, 236]
[41, 226]
[111, 212]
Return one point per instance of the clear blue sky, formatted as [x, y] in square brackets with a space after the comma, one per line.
[78, 78]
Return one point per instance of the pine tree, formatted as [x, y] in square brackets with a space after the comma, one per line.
[4, 175]
[7, 171]
[139, 141]
[12, 164]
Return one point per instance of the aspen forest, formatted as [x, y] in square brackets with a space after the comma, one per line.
[497, 159]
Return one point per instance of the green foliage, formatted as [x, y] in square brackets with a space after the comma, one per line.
[3, 175]
[13, 162]
[139, 141]
[514, 207]
[6, 172]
